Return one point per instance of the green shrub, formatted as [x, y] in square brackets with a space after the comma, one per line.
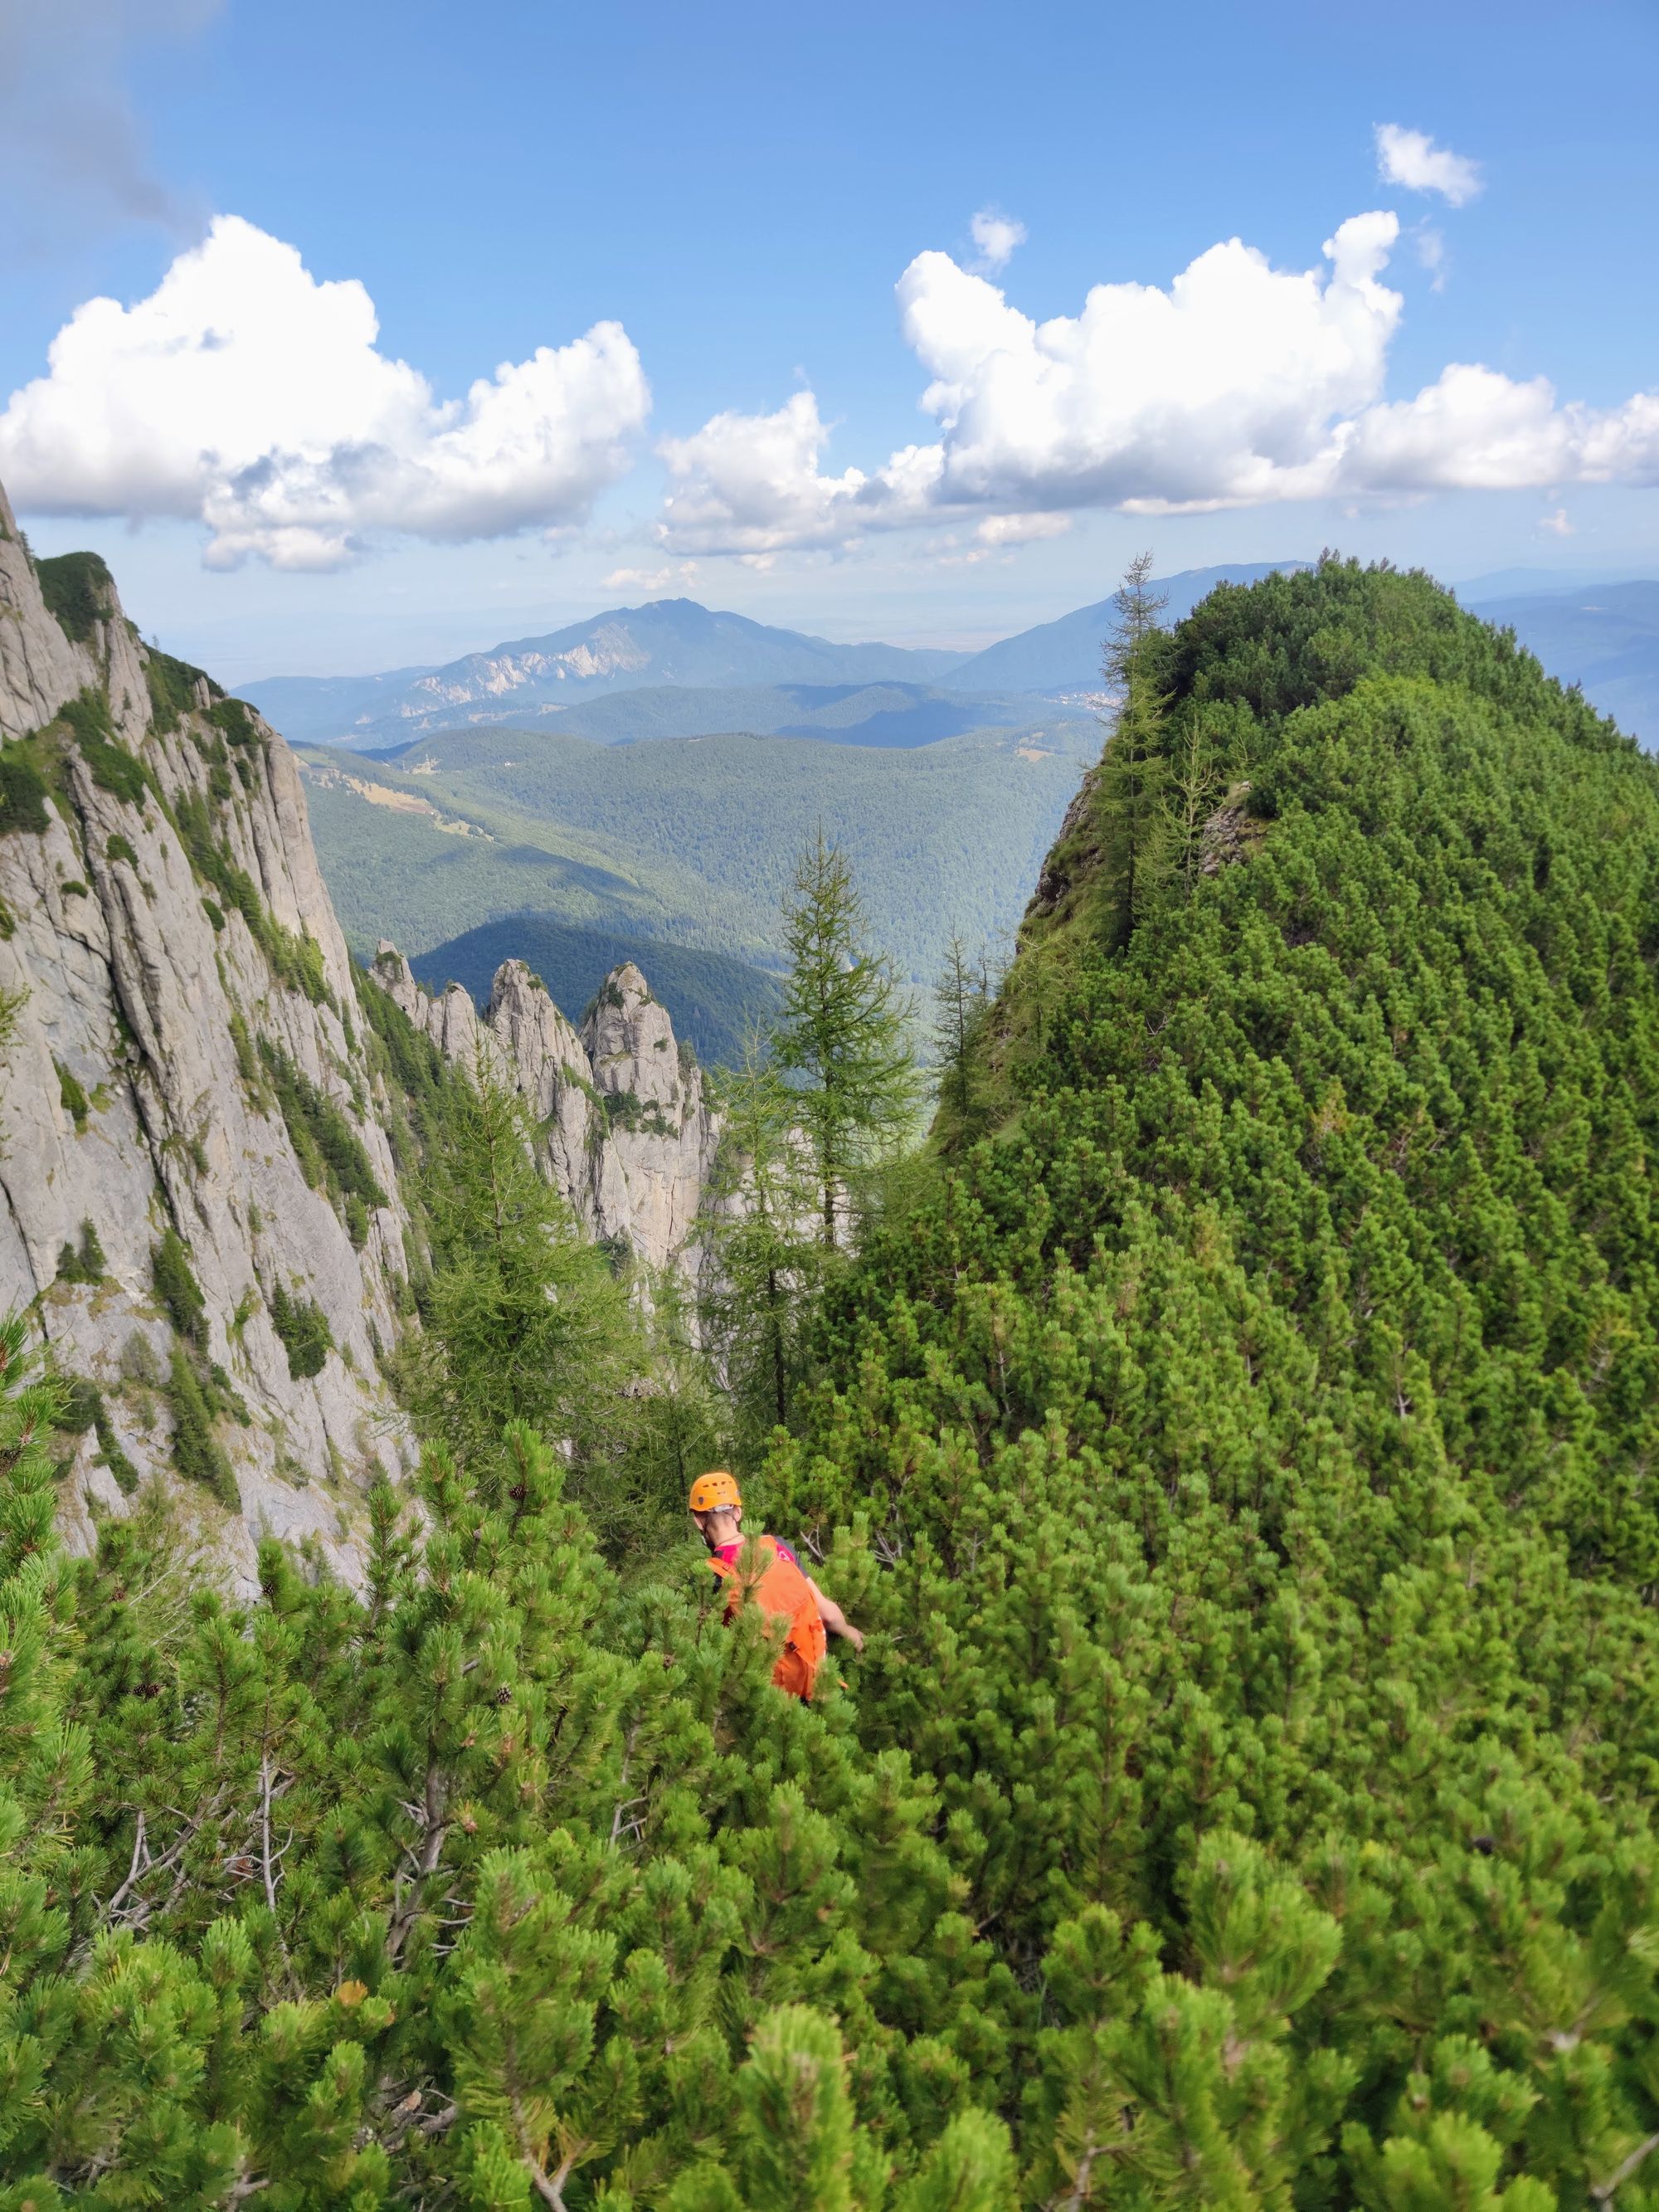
[79, 1404]
[110, 1451]
[300, 962]
[626, 1109]
[23, 793]
[329, 1151]
[294, 957]
[73, 1098]
[113, 767]
[303, 1327]
[79, 592]
[197, 1452]
[247, 1065]
[236, 718]
[177, 1287]
[86, 1265]
[119, 849]
[74, 888]
[224, 1397]
[172, 686]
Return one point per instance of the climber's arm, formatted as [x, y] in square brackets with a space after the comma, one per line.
[835, 1620]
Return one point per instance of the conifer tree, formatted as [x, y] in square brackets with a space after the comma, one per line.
[1133, 775]
[676, 1422]
[1195, 781]
[759, 1218]
[962, 1002]
[524, 1321]
[841, 1033]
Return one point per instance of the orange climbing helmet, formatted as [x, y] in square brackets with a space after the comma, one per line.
[710, 1491]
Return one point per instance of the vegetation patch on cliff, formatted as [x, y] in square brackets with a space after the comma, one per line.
[79, 592]
[303, 1327]
[26, 783]
[329, 1149]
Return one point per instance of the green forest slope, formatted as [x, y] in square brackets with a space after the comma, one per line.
[1262, 1425]
[695, 838]
[891, 713]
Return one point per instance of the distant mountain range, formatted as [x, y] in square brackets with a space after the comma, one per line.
[669, 642]
[1065, 655]
[1530, 583]
[674, 669]
[587, 678]
[901, 715]
[1603, 636]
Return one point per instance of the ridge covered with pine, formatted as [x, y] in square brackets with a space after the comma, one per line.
[1237, 1436]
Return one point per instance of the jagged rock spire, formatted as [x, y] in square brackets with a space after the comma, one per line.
[626, 1133]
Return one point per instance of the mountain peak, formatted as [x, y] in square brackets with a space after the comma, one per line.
[665, 641]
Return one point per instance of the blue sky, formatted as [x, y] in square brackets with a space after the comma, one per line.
[740, 190]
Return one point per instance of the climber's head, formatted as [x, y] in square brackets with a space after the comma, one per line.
[716, 1506]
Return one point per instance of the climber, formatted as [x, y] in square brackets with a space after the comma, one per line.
[769, 1573]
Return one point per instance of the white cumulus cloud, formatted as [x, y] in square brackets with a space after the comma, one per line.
[1217, 391]
[245, 394]
[1412, 159]
[1237, 385]
[996, 236]
[993, 535]
[750, 484]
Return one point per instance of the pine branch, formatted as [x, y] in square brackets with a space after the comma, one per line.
[1604, 2191]
[264, 1831]
[430, 1816]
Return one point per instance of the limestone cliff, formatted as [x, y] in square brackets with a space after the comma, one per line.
[626, 1130]
[190, 1152]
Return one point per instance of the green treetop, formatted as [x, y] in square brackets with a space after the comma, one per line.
[524, 1321]
[1129, 797]
[760, 1215]
[841, 1033]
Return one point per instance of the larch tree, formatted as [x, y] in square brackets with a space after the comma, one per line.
[524, 1319]
[760, 1215]
[843, 1034]
[1131, 790]
[962, 1001]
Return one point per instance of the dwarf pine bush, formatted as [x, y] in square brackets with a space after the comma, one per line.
[1239, 1449]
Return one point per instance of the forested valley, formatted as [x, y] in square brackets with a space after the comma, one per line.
[1233, 1426]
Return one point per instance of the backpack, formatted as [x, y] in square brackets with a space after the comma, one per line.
[762, 1576]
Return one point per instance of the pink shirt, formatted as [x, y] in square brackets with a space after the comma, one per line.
[732, 1553]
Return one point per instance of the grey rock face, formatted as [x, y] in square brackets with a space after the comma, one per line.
[39, 666]
[180, 1017]
[183, 1026]
[626, 1133]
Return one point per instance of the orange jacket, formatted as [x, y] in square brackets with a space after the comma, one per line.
[761, 1576]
